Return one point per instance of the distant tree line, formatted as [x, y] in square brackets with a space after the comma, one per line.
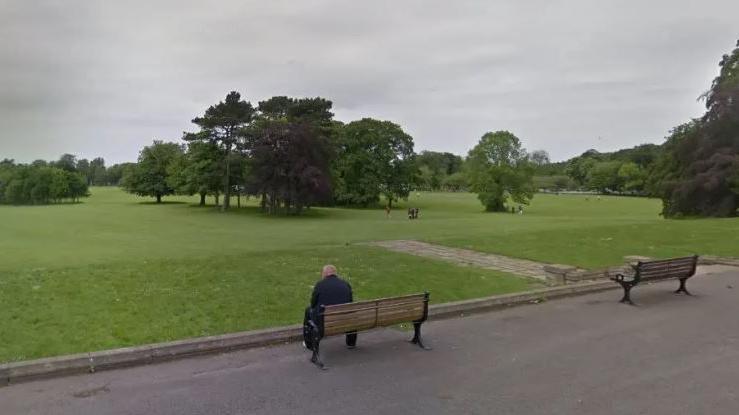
[39, 184]
[64, 180]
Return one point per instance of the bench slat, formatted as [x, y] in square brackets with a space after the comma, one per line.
[364, 315]
[671, 272]
[372, 303]
[351, 310]
[410, 315]
[688, 259]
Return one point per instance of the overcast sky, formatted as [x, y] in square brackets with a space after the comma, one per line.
[104, 78]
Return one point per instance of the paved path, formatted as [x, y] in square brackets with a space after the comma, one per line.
[466, 257]
[586, 355]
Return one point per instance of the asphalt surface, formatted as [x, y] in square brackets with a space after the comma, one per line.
[671, 354]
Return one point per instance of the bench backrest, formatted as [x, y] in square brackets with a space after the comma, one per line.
[667, 268]
[364, 315]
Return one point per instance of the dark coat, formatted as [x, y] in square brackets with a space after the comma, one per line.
[330, 291]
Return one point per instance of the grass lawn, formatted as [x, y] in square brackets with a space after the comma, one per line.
[117, 270]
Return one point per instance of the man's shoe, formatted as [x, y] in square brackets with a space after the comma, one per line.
[351, 347]
[306, 346]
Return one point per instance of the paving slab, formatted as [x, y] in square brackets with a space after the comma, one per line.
[461, 256]
[671, 354]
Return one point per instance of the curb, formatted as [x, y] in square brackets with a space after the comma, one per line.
[18, 372]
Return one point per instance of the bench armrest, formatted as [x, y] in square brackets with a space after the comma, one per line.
[621, 277]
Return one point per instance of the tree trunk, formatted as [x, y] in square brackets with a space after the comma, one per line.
[202, 199]
[227, 185]
[159, 198]
[217, 201]
[390, 202]
[264, 202]
[238, 200]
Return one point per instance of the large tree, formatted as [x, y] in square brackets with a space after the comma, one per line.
[97, 175]
[603, 177]
[151, 175]
[698, 174]
[498, 169]
[199, 171]
[435, 167]
[224, 126]
[290, 166]
[539, 157]
[375, 158]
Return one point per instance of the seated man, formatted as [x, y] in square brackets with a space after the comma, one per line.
[330, 290]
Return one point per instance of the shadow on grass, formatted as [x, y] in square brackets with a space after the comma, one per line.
[40, 205]
[256, 211]
[164, 202]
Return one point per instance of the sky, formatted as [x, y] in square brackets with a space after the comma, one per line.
[105, 78]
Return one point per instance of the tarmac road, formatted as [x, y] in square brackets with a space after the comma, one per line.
[671, 354]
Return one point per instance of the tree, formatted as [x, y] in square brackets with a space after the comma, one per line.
[374, 158]
[97, 175]
[150, 177]
[83, 167]
[579, 168]
[290, 166]
[698, 173]
[455, 182]
[223, 125]
[427, 180]
[632, 177]
[603, 177]
[114, 173]
[67, 162]
[498, 168]
[437, 166]
[539, 157]
[199, 171]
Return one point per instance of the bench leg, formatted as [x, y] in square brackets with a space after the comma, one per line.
[682, 288]
[316, 358]
[417, 336]
[627, 292]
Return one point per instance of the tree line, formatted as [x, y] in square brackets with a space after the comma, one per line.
[695, 172]
[39, 183]
[290, 153]
[65, 179]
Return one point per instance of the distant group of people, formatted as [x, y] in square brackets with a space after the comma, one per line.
[413, 213]
[520, 210]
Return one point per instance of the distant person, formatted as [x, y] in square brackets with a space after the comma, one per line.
[520, 210]
[330, 290]
[387, 212]
[415, 213]
[410, 213]
[513, 210]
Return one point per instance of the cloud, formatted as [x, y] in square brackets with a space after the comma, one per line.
[105, 78]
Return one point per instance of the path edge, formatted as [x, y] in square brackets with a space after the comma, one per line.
[45, 368]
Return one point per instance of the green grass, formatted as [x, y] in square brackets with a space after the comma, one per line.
[117, 271]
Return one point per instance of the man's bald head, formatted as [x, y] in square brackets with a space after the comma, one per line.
[328, 270]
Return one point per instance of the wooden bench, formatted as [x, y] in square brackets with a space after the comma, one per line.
[679, 268]
[365, 315]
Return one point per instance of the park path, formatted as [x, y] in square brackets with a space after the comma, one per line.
[468, 257]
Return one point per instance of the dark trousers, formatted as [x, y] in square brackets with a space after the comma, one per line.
[351, 337]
